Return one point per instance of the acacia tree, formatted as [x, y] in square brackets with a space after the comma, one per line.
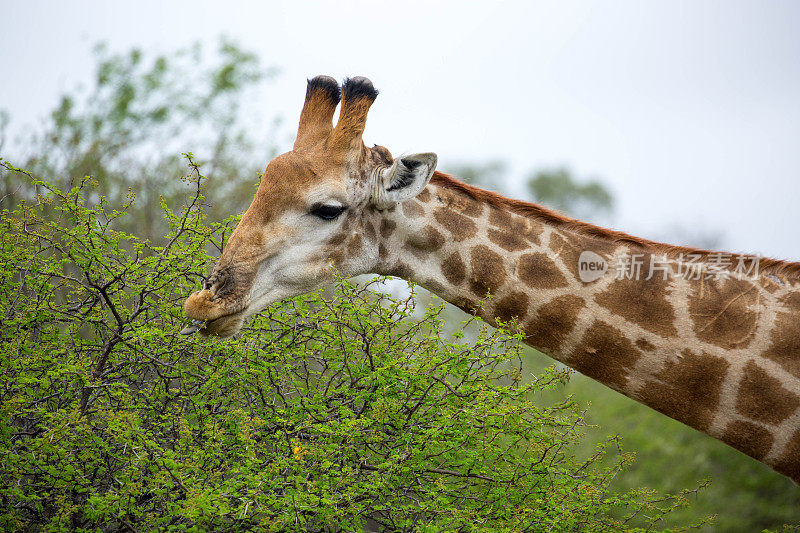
[326, 414]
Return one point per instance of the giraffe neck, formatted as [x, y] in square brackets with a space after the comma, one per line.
[720, 353]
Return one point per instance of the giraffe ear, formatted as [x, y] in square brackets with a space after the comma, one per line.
[405, 179]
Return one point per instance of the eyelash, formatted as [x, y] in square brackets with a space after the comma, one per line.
[327, 212]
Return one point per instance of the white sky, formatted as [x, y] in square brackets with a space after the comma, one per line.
[688, 110]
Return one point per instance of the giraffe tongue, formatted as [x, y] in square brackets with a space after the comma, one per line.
[193, 326]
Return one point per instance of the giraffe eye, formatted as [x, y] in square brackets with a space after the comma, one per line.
[328, 212]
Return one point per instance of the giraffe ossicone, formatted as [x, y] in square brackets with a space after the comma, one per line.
[716, 350]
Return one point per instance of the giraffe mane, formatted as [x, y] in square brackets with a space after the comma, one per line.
[787, 270]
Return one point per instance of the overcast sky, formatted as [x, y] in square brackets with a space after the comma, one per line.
[689, 111]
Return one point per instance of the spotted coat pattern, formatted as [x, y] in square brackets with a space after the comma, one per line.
[720, 355]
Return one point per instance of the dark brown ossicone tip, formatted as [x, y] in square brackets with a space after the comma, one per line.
[358, 87]
[327, 85]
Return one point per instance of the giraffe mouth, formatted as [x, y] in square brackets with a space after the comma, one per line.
[224, 326]
[211, 315]
[194, 326]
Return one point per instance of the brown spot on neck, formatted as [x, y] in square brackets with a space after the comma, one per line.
[454, 269]
[402, 270]
[423, 243]
[763, 398]
[789, 462]
[515, 224]
[724, 312]
[412, 209]
[508, 241]
[488, 271]
[749, 438]
[605, 354]
[688, 389]
[501, 219]
[553, 322]
[471, 208]
[459, 226]
[512, 306]
[641, 301]
[460, 203]
[785, 346]
[538, 271]
[466, 304]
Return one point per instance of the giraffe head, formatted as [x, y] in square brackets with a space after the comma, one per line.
[317, 207]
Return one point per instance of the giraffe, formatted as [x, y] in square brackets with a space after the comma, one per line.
[720, 353]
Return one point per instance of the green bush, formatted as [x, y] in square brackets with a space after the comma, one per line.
[334, 413]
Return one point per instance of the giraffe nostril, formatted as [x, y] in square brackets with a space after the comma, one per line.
[218, 284]
[212, 286]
